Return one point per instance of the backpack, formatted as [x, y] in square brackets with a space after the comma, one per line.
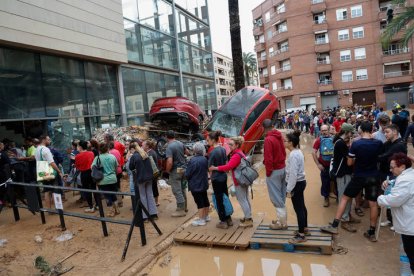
[244, 173]
[326, 148]
[97, 171]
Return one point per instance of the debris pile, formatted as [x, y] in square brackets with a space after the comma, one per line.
[123, 134]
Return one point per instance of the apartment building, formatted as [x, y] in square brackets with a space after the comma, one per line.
[223, 69]
[68, 67]
[325, 53]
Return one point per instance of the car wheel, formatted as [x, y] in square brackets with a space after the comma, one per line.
[161, 146]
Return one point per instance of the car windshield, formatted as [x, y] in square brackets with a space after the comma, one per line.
[229, 119]
[229, 125]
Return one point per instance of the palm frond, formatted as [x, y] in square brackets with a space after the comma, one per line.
[408, 35]
[396, 25]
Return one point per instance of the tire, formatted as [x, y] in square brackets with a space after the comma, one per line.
[161, 146]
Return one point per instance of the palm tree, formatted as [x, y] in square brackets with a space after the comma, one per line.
[250, 65]
[399, 23]
[236, 47]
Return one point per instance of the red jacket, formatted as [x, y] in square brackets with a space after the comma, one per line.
[121, 148]
[274, 152]
[338, 124]
[83, 160]
[233, 163]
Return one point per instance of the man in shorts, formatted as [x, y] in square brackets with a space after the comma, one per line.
[363, 154]
[43, 153]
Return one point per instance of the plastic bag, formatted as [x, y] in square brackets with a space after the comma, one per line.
[65, 236]
[3, 242]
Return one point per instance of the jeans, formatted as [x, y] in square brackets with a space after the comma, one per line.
[242, 195]
[88, 183]
[131, 181]
[408, 243]
[298, 202]
[147, 198]
[342, 182]
[220, 188]
[326, 182]
[316, 131]
[178, 190]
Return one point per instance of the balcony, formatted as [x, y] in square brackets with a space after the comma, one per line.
[258, 30]
[276, 16]
[281, 54]
[280, 35]
[319, 25]
[396, 74]
[259, 47]
[284, 73]
[264, 79]
[322, 45]
[318, 6]
[395, 55]
[262, 63]
[398, 77]
[383, 10]
[323, 65]
[325, 85]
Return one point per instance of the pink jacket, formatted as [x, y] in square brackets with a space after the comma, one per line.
[233, 163]
[117, 155]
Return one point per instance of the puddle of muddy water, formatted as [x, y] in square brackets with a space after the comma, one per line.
[191, 260]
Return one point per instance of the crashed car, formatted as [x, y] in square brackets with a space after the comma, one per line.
[243, 115]
[177, 111]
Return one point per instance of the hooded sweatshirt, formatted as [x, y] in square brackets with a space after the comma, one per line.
[274, 152]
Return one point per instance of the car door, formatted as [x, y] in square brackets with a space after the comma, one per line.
[253, 129]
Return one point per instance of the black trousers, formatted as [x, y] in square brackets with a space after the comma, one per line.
[220, 188]
[88, 183]
[298, 202]
[408, 243]
[155, 191]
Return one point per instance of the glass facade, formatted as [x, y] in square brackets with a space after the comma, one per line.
[152, 31]
[64, 97]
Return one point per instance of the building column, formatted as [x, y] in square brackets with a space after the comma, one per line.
[121, 96]
[177, 42]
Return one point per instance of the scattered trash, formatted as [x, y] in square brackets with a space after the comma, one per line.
[122, 134]
[57, 269]
[8, 257]
[166, 261]
[163, 184]
[38, 239]
[65, 236]
[3, 242]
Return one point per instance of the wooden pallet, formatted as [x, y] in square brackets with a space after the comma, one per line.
[210, 235]
[265, 237]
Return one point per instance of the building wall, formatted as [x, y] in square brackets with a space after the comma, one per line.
[82, 28]
[303, 51]
[223, 67]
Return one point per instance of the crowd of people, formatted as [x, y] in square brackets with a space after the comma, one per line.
[360, 153]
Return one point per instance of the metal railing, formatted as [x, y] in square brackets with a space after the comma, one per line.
[318, 22]
[324, 82]
[285, 68]
[321, 41]
[396, 51]
[397, 74]
[323, 61]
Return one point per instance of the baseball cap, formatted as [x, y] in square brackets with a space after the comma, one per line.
[347, 127]
[359, 116]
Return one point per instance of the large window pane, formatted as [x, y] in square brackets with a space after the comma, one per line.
[130, 9]
[64, 86]
[102, 89]
[156, 14]
[20, 80]
[193, 32]
[194, 60]
[195, 7]
[134, 90]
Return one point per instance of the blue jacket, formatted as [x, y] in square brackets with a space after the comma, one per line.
[196, 174]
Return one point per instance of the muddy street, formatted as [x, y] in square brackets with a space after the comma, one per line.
[101, 256]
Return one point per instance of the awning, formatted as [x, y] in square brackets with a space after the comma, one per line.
[329, 93]
[397, 62]
[321, 32]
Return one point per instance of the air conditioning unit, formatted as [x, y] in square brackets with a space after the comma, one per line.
[345, 92]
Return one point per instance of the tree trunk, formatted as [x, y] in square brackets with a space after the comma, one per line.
[236, 47]
[247, 72]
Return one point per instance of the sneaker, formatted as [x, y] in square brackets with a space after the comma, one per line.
[90, 210]
[297, 239]
[207, 219]
[392, 228]
[242, 220]
[230, 222]
[277, 225]
[385, 223]
[198, 222]
[179, 213]
[370, 237]
[329, 229]
[348, 227]
[326, 202]
[222, 225]
[247, 223]
[307, 232]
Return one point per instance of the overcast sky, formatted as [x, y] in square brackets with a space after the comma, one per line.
[219, 24]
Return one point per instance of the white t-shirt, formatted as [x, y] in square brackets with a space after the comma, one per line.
[315, 120]
[46, 154]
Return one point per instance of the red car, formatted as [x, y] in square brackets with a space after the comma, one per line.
[178, 111]
[243, 115]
